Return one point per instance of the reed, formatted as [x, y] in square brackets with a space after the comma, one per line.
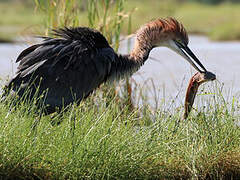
[107, 16]
[59, 13]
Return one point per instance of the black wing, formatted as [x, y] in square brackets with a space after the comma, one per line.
[69, 67]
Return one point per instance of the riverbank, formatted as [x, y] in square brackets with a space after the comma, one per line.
[219, 22]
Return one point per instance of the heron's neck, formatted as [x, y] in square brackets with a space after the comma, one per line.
[126, 65]
[123, 66]
[141, 49]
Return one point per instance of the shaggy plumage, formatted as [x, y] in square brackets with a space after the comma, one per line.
[70, 66]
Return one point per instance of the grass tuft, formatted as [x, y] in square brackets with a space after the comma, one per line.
[103, 139]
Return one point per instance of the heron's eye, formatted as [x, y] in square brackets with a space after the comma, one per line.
[179, 41]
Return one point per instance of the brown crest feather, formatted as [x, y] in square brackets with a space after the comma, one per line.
[161, 29]
[155, 32]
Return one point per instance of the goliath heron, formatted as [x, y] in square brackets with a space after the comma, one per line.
[70, 66]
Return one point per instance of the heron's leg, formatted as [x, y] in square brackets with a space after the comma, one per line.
[73, 127]
[129, 95]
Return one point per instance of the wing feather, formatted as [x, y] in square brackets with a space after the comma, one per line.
[26, 52]
[80, 60]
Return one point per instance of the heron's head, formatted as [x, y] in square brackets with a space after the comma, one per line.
[169, 33]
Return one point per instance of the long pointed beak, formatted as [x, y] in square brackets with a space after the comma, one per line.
[187, 54]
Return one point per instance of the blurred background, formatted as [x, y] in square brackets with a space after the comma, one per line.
[213, 25]
[218, 19]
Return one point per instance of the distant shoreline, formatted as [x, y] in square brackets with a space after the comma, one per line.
[2, 41]
[217, 22]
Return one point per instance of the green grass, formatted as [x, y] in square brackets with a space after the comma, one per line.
[219, 22]
[102, 140]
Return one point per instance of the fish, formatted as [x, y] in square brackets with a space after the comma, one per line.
[194, 83]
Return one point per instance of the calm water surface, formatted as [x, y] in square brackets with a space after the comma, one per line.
[165, 75]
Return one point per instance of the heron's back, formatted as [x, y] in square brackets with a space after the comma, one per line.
[67, 68]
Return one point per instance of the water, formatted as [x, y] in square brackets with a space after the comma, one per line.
[171, 73]
[166, 77]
